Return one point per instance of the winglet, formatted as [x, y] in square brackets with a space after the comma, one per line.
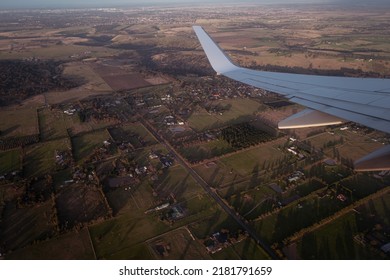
[220, 62]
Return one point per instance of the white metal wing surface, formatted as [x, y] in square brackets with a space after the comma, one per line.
[331, 99]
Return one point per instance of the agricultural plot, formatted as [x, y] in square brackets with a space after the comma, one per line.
[22, 226]
[177, 245]
[179, 183]
[70, 246]
[217, 174]
[212, 223]
[129, 198]
[205, 150]
[296, 216]
[117, 238]
[246, 249]
[249, 250]
[53, 124]
[241, 110]
[135, 133]
[84, 145]
[40, 159]
[20, 122]
[336, 241]
[361, 185]
[80, 204]
[10, 161]
[119, 79]
[259, 157]
[253, 203]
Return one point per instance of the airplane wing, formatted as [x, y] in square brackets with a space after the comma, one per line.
[331, 100]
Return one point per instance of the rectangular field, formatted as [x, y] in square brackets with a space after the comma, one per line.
[10, 161]
[40, 158]
[22, 226]
[69, 246]
[241, 110]
[18, 122]
[336, 239]
[84, 145]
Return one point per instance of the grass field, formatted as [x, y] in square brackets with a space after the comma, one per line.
[70, 246]
[10, 161]
[116, 238]
[181, 246]
[136, 130]
[296, 216]
[336, 239]
[80, 204]
[247, 249]
[215, 221]
[246, 161]
[206, 150]
[40, 158]
[179, 182]
[176, 181]
[241, 110]
[53, 124]
[84, 145]
[21, 226]
[230, 169]
[216, 173]
[18, 122]
[253, 203]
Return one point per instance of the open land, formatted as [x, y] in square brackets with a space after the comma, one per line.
[118, 141]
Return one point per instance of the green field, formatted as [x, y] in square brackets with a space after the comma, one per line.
[136, 133]
[246, 161]
[179, 182]
[213, 222]
[253, 203]
[206, 150]
[174, 181]
[40, 158]
[84, 145]
[18, 122]
[296, 216]
[10, 161]
[336, 241]
[241, 110]
[181, 246]
[115, 239]
[217, 173]
[22, 226]
[70, 246]
[52, 124]
[246, 249]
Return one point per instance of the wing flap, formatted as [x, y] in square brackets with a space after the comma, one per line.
[361, 100]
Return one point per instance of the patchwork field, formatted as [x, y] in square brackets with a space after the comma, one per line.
[40, 159]
[18, 122]
[10, 161]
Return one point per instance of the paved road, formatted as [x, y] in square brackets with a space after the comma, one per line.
[230, 211]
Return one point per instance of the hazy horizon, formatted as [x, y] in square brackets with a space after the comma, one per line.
[11, 4]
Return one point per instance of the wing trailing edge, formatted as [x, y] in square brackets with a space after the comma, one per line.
[330, 99]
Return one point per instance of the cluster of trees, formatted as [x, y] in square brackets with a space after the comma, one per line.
[244, 135]
[22, 79]
[14, 142]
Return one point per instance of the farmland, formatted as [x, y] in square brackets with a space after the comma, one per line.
[118, 141]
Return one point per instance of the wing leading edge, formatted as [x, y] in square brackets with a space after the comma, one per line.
[332, 99]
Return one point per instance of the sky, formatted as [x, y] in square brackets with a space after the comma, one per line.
[4, 4]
